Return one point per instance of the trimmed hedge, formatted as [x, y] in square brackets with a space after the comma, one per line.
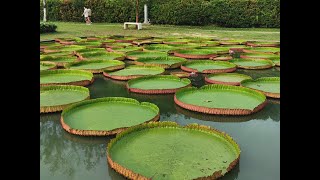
[47, 27]
[228, 13]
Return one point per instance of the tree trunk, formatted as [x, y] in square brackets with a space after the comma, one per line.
[44, 11]
[137, 11]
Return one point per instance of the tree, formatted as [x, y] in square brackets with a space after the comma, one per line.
[137, 11]
[44, 10]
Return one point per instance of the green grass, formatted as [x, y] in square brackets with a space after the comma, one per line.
[73, 29]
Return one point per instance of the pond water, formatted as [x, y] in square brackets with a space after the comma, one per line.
[64, 156]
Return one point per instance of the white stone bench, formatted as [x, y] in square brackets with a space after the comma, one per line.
[125, 25]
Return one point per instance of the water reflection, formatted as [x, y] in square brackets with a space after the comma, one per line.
[63, 153]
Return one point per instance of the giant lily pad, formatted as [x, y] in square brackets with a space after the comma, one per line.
[57, 98]
[159, 84]
[58, 60]
[226, 78]
[270, 86]
[221, 99]
[168, 62]
[208, 66]
[125, 49]
[102, 56]
[260, 56]
[134, 55]
[175, 41]
[195, 53]
[263, 43]
[160, 47]
[116, 45]
[93, 44]
[65, 77]
[47, 65]
[107, 116]
[232, 42]
[134, 71]
[252, 63]
[96, 66]
[166, 150]
[66, 48]
[268, 50]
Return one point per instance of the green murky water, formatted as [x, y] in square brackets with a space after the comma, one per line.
[64, 156]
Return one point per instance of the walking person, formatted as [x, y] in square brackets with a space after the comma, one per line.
[87, 13]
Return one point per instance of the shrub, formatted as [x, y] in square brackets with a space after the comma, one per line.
[47, 27]
[228, 13]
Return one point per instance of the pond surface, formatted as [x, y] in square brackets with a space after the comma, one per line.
[64, 156]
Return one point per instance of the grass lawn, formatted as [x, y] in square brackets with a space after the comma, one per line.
[72, 29]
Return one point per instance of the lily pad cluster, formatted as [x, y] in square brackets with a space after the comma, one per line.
[157, 65]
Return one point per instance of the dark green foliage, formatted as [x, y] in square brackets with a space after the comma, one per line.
[228, 13]
[47, 27]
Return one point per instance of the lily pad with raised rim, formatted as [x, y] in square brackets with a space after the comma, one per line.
[160, 47]
[102, 56]
[69, 48]
[180, 74]
[107, 116]
[134, 71]
[168, 62]
[263, 43]
[125, 49]
[166, 150]
[59, 60]
[270, 86]
[65, 77]
[253, 63]
[134, 55]
[175, 41]
[260, 56]
[208, 66]
[226, 78]
[57, 98]
[96, 66]
[159, 84]
[116, 45]
[269, 50]
[47, 65]
[221, 99]
[232, 42]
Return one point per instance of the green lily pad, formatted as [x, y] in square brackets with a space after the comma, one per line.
[166, 150]
[134, 71]
[252, 63]
[260, 56]
[134, 55]
[56, 98]
[270, 86]
[96, 66]
[69, 48]
[47, 65]
[160, 47]
[164, 62]
[262, 50]
[208, 66]
[102, 56]
[59, 60]
[221, 99]
[159, 84]
[105, 116]
[226, 78]
[126, 49]
[263, 43]
[63, 76]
